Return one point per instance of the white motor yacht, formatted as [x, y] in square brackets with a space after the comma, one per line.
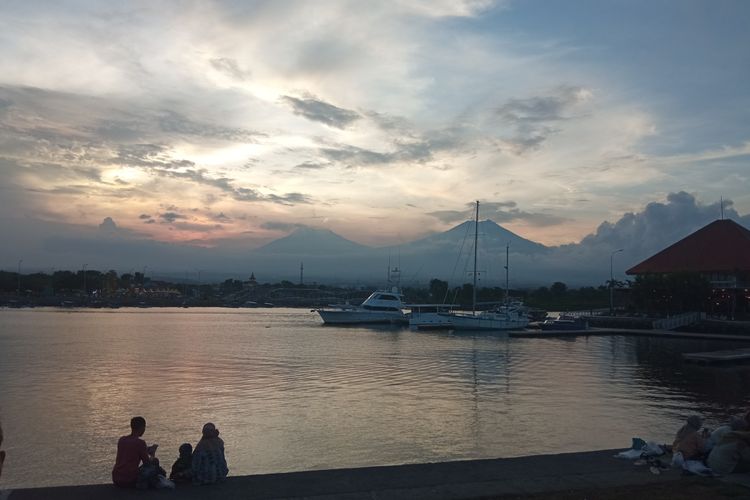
[381, 307]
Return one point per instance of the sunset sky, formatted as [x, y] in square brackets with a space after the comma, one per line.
[232, 123]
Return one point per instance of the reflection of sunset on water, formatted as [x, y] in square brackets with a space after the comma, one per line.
[290, 394]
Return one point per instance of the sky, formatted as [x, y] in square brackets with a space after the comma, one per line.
[228, 124]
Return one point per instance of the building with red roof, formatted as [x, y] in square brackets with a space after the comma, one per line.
[720, 252]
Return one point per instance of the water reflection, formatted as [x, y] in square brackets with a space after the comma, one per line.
[290, 394]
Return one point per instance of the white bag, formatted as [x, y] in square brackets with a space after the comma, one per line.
[165, 483]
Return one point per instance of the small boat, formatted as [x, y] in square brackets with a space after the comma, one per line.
[565, 322]
[430, 316]
[381, 307]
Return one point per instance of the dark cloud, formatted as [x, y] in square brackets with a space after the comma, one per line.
[542, 108]
[173, 122]
[170, 217]
[195, 227]
[229, 67]
[239, 193]
[290, 199]
[532, 117]
[407, 147]
[354, 156]
[280, 226]
[389, 122]
[320, 111]
[144, 216]
[148, 155]
[308, 165]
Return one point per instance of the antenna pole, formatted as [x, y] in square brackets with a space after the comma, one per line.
[722, 207]
[476, 238]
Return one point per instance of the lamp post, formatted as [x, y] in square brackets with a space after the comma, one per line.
[612, 282]
[84, 282]
[19, 276]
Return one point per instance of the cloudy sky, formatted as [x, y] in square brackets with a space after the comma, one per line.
[227, 124]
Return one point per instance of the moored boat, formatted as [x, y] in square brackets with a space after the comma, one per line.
[565, 322]
[511, 315]
[430, 316]
[381, 307]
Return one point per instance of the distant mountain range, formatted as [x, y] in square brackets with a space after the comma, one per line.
[328, 257]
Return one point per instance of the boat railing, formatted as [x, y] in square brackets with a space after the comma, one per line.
[677, 321]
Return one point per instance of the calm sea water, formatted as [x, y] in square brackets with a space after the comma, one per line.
[290, 394]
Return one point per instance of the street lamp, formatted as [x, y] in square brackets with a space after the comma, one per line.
[19, 277]
[612, 282]
[84, 281]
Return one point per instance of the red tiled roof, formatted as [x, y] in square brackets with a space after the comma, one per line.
[721, 246]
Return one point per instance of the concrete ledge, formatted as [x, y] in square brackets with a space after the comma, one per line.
[455, 480]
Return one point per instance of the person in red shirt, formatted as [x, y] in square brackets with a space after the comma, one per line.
[131, 451]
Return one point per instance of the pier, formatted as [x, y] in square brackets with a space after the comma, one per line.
[467, 479]
[629, 331]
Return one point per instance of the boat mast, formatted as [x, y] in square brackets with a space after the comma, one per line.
[507, 288]
[476, 237]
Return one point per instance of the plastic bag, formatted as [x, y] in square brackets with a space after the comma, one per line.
[629, 454]
[165, 483]
[698, 468]
[678, 461]
[652, 449]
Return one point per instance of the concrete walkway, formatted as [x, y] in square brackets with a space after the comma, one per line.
[448, 480]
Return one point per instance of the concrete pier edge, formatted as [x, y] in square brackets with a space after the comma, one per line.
[464, 479]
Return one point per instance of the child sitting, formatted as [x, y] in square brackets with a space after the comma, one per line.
[182, 468]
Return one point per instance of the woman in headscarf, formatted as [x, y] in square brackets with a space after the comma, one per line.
[209, 465]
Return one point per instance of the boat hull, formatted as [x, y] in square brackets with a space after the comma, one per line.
[362, 317]
[430, 321]
[486, 322]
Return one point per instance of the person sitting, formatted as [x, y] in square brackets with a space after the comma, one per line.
[689, 440]
[131, 452]
[209, 464]
[2, 452]
[731, 454]
[182, 468]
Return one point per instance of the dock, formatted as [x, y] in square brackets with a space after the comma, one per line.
[727, 356]
[628, 331]
[465, 479]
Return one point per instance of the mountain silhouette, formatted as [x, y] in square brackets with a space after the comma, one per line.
[309, 241]
[492, 238]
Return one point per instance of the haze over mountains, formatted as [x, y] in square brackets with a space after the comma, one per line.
[332, 258]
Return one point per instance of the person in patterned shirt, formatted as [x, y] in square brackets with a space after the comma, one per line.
[209, 464]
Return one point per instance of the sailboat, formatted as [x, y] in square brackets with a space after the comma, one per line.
[510, 315]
